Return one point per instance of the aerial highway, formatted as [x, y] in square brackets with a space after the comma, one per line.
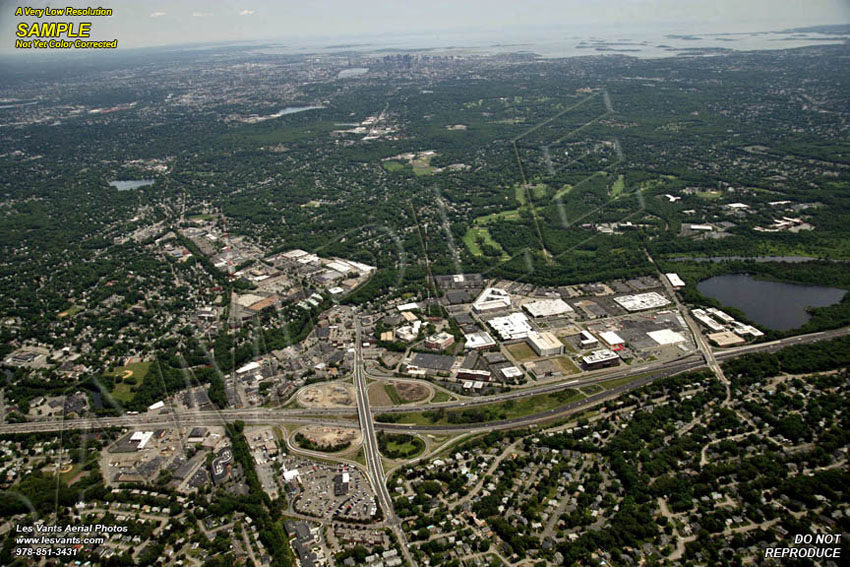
[374, 465]
[337, 416]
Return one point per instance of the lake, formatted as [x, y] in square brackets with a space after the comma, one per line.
[130, 184]
[777, 305]
[756, 259]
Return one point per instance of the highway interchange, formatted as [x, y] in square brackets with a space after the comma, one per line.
[346, 416]
[365, 415]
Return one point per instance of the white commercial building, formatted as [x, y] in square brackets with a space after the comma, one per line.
[587, 340]
[248, 367]
[547, 307]
[675, 280]
[721, 315]
[476, 341]
[510, 372]
[141, 438]
[704, 318]
[600, 358]
[666, 337]
[545, 343]
[511, 327]
[642, 301]
[491, 298]
[612, 339]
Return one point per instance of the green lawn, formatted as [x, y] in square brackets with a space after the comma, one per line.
[562, 191]
[491, 412]
[441, 396]
[519, 193]
[67, 477]
[401, 446]
[122, 391]
[393, 394]
[522, 352]
[538, 191]
[503, 215]
[475, 235]
[709, 194]
[71, 311]
[618, 186]
[611, 384]
[392, 166]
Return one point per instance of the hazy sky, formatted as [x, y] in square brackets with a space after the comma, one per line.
[137, 23]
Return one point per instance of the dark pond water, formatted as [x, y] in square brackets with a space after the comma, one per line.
[777, 305]
[756, 259]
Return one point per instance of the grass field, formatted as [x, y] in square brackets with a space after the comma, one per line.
[519, 193]
[422, 167]
[566, 365]
[562, 191]
[503, 215]
[393, 394]
[539, 191]
[392, 165]
[493, 412]
[592, 389]
[70, 312]
[125, 392]
[618, 186]
[522, 352]
[474, 235]
[406, 447]
[68, 476]
[441, 396]
[709, 194]
[611, 384]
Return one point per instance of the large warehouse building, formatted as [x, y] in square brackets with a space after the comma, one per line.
[545, 344]
[547, 308]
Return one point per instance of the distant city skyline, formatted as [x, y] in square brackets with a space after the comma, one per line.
[161, 23]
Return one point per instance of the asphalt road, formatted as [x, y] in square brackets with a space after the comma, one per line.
[259, 416]
[374, 465]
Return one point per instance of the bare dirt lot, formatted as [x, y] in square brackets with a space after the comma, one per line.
[411, 391]
[327, 395]
[325, 436]
[378, 395]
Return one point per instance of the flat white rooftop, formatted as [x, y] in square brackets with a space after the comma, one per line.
[479, 340]
[547, 307]
[544, 341]
[611, 338]
[491, 298]
[601, 355]
[642, 301]
[675, 280]
[666, 337]
[511, 327]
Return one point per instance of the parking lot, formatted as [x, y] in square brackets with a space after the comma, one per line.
[321, 492]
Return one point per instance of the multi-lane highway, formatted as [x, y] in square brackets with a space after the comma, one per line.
[374, 465]
[337, 416]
